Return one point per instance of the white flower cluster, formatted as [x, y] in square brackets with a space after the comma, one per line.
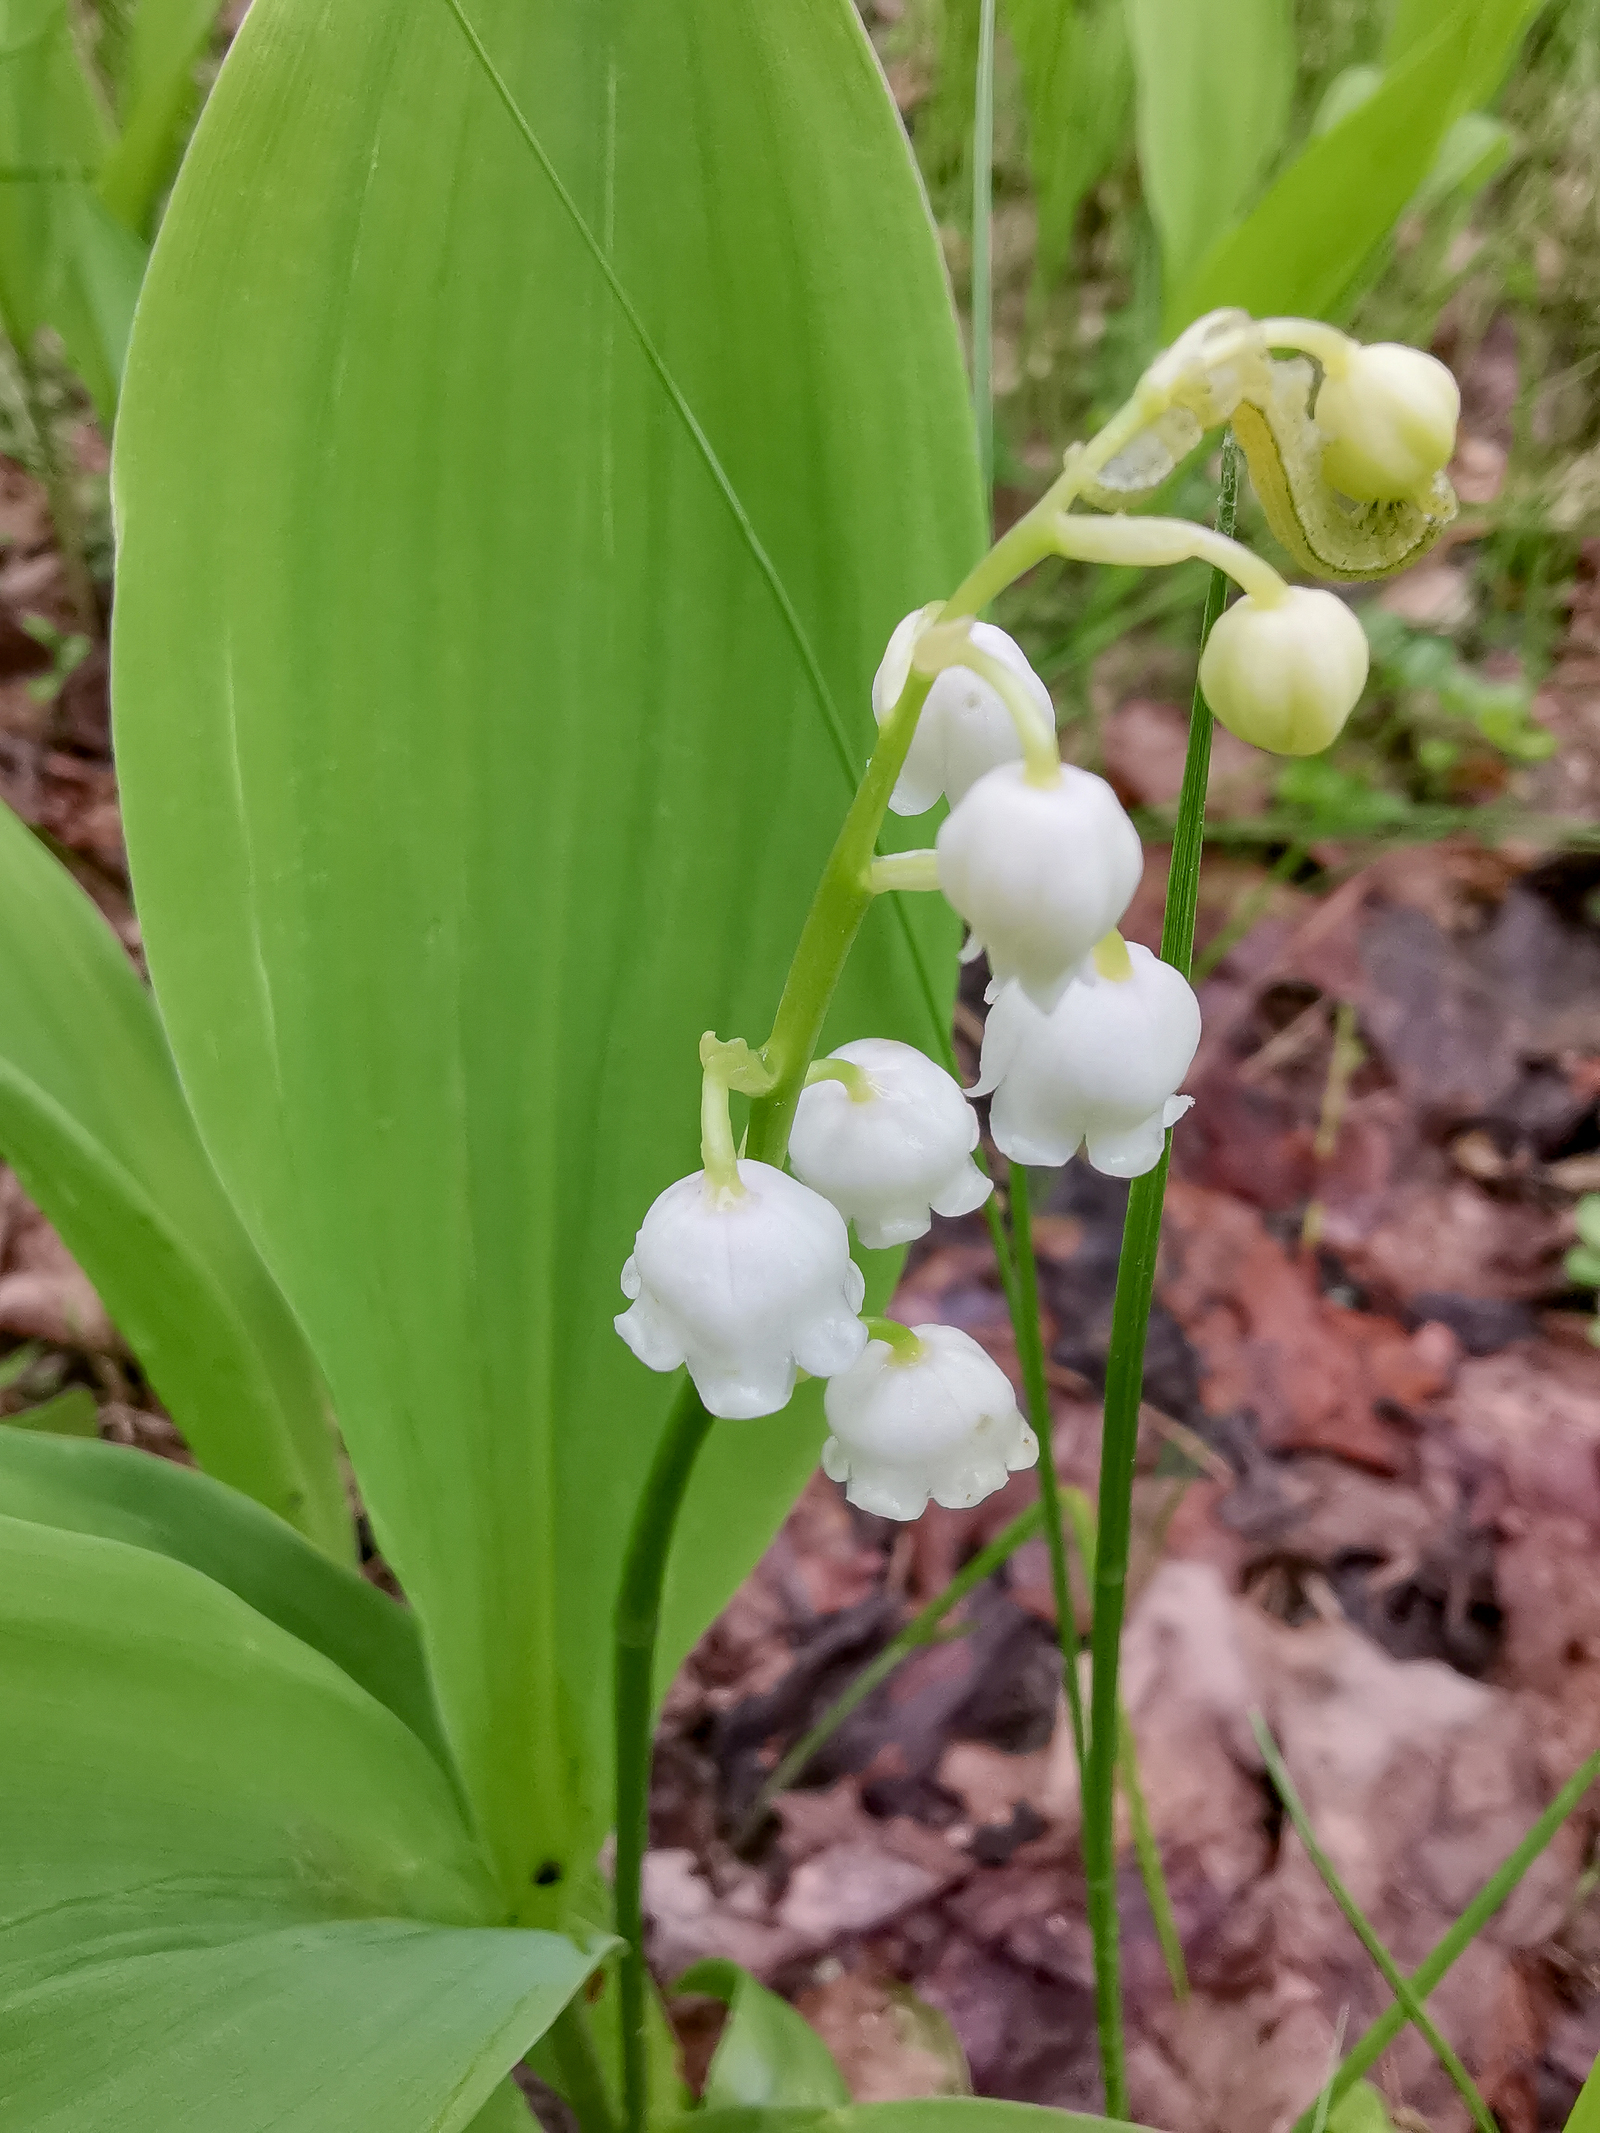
[746, 1277]
[743, 1272]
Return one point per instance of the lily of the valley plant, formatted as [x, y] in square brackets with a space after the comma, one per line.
[532, 510]
[741, 1274]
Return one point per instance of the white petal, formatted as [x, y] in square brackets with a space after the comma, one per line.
[884, 1232]
[882, 1157]
[744, 1391]
[887, 1496]
[1102, 1067]
[1040, 872]
[915, 791]
[742, 1291]
[1130, 1152]
[829, 1345]
[894, 669]
[965, 1191]
[945, 1424]
[651, 1336]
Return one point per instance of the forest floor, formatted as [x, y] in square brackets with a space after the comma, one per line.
[1368, 1507]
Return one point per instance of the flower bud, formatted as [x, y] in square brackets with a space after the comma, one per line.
[1389, 416]
[744, 1289]
[1039, 872]
[965, 728]
[1100, 1070]
[890, 1146]
[1285, 676]
[943, 1424]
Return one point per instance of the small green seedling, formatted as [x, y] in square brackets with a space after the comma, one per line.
[68, 650]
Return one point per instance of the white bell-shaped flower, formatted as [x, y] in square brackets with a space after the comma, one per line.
[890, 1143]
[745, 1288]
[965, 728]
[1100, 1071]
[1039, 872]
[1285, 674]
[929, 1416]
[1389, 414]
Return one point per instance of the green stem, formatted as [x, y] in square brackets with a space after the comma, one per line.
[718, 1156]
[1030, 1353]
[62, 500]
[638, 1621]
[982, 252]
[1136, 1274]
[904, 1345]
[1189, 830]
[853, 1078]
[580, 2076]
[1415, 2013]
[844, 896]
[1040, 748]
[1376, 2041]
[920, 1630]
[1151, 1871]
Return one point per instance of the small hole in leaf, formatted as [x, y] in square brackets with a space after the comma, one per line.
[546, 1876]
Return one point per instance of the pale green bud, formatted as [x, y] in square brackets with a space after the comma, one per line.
[1285, 675]
[1389, 416]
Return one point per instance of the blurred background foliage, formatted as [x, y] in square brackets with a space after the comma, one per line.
[1151, 157]
[1130, 135]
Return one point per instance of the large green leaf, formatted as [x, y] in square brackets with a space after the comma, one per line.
[97, 275]
[475, 762]
[94, 1122]
[234, 1890]
[1214, 82]
[1488, 48]
[126, 1495]
[767, 2054]
[505, 2112]
[1304, 244]
[1585, 2116]
[1077, 80]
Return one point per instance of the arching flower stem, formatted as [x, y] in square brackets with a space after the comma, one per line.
[718, 1156]
[1332, 349]
[949, 644]
[844, 896]
[904, 870]
[904, 1345]
[855, 1079]
[1154, 543]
